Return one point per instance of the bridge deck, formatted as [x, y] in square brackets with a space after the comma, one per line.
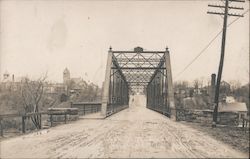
[133, 132]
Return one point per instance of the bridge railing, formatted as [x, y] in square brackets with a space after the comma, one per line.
[114, 108]
[85, 108]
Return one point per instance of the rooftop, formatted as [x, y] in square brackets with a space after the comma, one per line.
[232, 107]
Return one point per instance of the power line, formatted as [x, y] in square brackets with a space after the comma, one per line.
[206, 47]
[202, 51]
[237, 18]
[225, 14]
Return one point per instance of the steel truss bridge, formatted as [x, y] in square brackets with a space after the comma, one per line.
[138, 71]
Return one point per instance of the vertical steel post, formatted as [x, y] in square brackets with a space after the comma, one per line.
[169, 86]
[154, 94]
[109, 108]
[105, 94]
[162, 95]
[113, 97]
[121, 95]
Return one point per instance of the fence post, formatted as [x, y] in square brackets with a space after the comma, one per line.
[176, 114]
[83, 109]
[51, 120]
[1, 127]
[243, 123]
[246, 126]
[65, 117]
[23, 123]
[40, 120]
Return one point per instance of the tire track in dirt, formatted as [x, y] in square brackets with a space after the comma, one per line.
[79, 140]
[101, 134]
[182, 145]
[134, 132]
[197, 144]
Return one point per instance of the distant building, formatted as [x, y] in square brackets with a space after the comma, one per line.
[73, 85]
[54, 88]
[78, 85]
[76, 80]
[229, 99]
[69, 86]
[232, 113]
[66, 76]
[225, 84]
[237, 107]
[10, 82]
[6, 77]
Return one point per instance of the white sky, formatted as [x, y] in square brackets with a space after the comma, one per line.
[39, 36]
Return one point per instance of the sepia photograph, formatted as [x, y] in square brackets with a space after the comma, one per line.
[124, 79]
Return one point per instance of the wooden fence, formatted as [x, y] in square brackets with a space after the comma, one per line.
[22, 122]
[206, 117]
[8, 121]
[245, 123]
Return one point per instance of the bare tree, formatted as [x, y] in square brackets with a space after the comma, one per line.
[32, 92]
[234, 85]
[196, 85]
[201, 81]
[183, 85]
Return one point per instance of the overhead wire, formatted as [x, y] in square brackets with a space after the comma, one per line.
[206, 47]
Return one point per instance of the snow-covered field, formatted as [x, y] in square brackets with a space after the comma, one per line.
[133, 132]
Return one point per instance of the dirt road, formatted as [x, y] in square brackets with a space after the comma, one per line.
[134, 132]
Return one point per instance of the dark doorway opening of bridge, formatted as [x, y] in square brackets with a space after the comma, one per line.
[138, 72]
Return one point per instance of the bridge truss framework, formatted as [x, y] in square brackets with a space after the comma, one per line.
[138, 71]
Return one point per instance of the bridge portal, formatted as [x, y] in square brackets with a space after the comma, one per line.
[138, 71]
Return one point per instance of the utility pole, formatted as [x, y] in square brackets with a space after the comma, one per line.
[226, 13]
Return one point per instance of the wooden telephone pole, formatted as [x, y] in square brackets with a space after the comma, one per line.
[226, 8]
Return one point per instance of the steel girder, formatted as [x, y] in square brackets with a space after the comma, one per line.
[140, 71]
